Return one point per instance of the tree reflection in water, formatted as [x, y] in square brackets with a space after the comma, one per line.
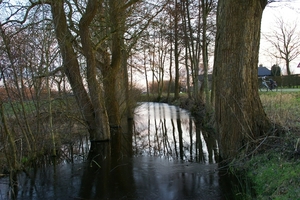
[164, 139]
[171, 132]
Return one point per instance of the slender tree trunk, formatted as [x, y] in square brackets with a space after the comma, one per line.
[127, 87]
[27, 132]
[187, 52]
[204, 5]
[161, 64]
[194, 52]
[170, 67]
[176, 50]
[146, 76]
[239, 114]
[12, 151]
[50, 121]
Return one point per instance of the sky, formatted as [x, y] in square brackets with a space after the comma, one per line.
[289, 12]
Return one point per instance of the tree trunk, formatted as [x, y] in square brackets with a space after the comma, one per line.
[187, 49]
[95, 91]
[204, 5]
[176, 50]
[145, 72]
[288, 71]
[239, 114]
[72, 70]
[11, 150]
[25, 127]
[194, 50]
[112, 70]
[170, 68]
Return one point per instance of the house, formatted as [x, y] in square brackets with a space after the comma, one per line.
[263, 71]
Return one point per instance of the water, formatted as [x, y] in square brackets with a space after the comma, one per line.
[171, 132]
[172, 159]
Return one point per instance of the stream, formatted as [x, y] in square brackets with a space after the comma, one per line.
[171, 158]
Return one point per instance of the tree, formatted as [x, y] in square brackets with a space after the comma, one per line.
[93, 109]
[93, 38]
[207, 7]
[286, 41]
[192, 41]
[12, 67]
[176, 48]
[275, 70]
[239, 115]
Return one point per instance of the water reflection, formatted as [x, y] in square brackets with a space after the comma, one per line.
[157, 178]
[168, 131]
[165, 141]
[132, 178]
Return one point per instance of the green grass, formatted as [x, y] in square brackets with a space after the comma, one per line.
[8, 107]
[30, 106]
[274, 176]
[274, 169]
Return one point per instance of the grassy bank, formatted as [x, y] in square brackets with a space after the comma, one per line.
[274, 175]
[273, 167]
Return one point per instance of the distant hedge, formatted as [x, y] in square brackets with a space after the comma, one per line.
[291, 81]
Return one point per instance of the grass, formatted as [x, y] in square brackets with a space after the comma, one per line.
[283, 108]
[274, 176]
[274, 169]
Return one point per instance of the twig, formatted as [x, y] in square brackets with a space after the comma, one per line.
[258, 146]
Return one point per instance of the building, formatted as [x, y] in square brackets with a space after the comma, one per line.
[263, 71]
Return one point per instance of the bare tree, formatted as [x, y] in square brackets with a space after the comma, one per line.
[285, 39]
[207, 8]
[92, 37]
[192, 29]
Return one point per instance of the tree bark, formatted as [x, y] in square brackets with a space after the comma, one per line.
[72, 70]
[96, 95]
[112, 69]
[239, 114]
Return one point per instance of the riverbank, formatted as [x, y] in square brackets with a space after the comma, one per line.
[272, 168]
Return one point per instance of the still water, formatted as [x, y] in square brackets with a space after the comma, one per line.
[170, 132]
[172, 158]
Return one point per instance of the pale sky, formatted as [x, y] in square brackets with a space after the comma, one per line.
[290, 12]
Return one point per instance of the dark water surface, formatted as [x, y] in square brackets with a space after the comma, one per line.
[172, 159]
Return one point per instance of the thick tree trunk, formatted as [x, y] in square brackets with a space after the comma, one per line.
[71, 68]
[112, 70]
[239, 114]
